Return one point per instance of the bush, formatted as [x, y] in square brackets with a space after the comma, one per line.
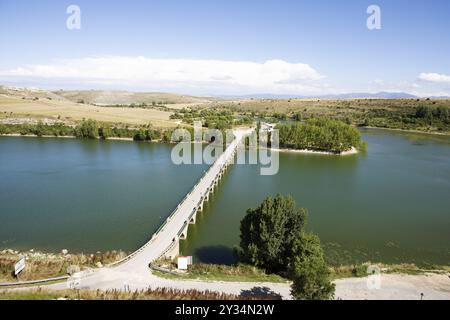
[87, 129]
[104, 132]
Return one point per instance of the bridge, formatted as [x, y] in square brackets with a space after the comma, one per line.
[165, 242]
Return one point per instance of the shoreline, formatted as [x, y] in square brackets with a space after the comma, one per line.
[352, 151]
[445, 134]
[18, 135]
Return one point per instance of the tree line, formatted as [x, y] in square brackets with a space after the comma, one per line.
[321, 134]
[219, 118]
[91, 129]
[88, 129]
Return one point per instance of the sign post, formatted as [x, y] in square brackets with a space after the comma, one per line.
[183, 262]
[19, 266]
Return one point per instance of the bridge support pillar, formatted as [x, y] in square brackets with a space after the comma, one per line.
[183, 235]
[174, 252]
[193, 219]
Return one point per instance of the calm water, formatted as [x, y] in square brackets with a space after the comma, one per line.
[390, 204]
[86, 195]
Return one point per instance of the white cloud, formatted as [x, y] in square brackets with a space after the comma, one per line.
[434, 77]
[217, 76]
[378, 82]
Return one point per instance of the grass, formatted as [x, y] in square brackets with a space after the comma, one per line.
[123, 97]
[213, 272]
[156, 294]
[42, 266]
[33, 285]
[246, 273]
[70, 112]
[360, 270]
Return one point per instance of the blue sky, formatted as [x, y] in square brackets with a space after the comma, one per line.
[228, 47]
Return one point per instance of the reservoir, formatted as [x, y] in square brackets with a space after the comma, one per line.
[86, 195]
[389, 204]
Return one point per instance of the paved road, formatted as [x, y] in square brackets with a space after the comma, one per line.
[111, 278]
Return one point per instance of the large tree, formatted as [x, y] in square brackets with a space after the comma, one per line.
[87, 129]
[308, 270]
[268, 233]
[273, 238]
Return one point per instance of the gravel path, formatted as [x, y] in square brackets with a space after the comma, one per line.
[396, 287]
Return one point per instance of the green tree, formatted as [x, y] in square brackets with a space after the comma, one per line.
[268, 233]
[273, 238]
[40, 129]
[87, 129]
[424, 112]
[140, 135]
[441, 113]
[297, 116]
[105, 132]
[308, 270]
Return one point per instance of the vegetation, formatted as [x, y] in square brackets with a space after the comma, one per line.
[273, 238]
[160, 105]
[308, 270]
[360, 270]
[155, 294]
[200, 271]
[213, 118]
[320, 134]
[427, 115]
[89, 129]
[41, 266]
[39, 129]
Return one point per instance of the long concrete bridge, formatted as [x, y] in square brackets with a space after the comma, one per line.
[166, 241]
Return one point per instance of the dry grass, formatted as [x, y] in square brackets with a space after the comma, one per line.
[156, 294]
[330, 107]
[126, 97]
[215, 272]
[360, 270]
[69, 111]
[41, 265]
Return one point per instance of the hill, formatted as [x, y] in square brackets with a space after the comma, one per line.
[98, 97]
